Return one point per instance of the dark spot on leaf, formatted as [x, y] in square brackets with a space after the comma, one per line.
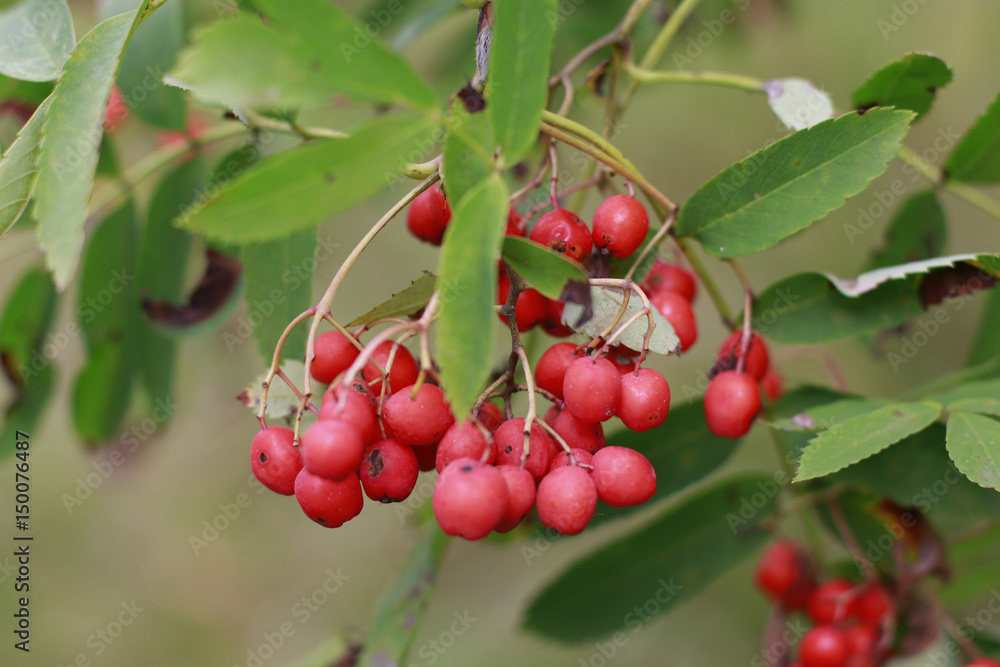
[265, 19]
[315, 65]
[897, 413]
[350, 656]
[328, 177]
[263, 457]
[797, 163]
[948, 282]
[931, 89]
[862, 110]
[222, 275]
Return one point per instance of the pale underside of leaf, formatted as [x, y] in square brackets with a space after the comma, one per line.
[607, 303]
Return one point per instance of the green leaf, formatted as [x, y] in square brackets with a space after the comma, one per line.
[150, 54]
[978, 390]
[467, 279]
[163, 260]
[682, 452]
[868, 281]
[917, 231]
[26, 410]
[316, 181]
[986, 345]
[910, 83]
[547, 271]
[974, 445]
[807, 308]
[858, 438]
[36, 37]
[607, 303]
[985, 406]
[282, 403]
[651, 571]
[916, 472]
[518, 79]
[19, 170]
[303, 53]
[468, 150]
[822, 417]
[108, 317]
[397, 620]
[26, 319]
[797, 103]
[70, 141]
[976, 159]
[402, 304]
[783, 188]
[279, 288]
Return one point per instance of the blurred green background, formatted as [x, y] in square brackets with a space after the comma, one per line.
[129, 541]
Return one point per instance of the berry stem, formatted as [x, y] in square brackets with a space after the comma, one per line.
[707, 281]
[532, 415]
[847, 535]
[723, 79]
[653, 242]
[554, 178]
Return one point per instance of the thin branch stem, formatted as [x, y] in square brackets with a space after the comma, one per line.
[963, 191]
[721, 79]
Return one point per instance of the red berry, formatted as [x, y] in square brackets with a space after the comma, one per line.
[732, 400]
[332, 448]
[773, 385]
[426, 457]
[520, 497]
[550, 371]
[389, 471]
[757, 359]
[490, 415]
[428, 215]
[623, 476]
[862, 639]
[780, 570]
[515, 224]
[404, 369]
[623, 358]
[464, 440]
[588, 436]
[563, 232]
[670, 278]
[552, 321]
[330, 503]
[334, 353]
[566, 499]
[983, 662]
[530, 308]
[509, 444]
[620, 224]
[420, 420]
[582, 456]
[677, 310]
[831, 602]
[592, 389]
[872, 605]
[824, 646]
[117, 110]
[645, 399]
[469, 499]
[359, 409]
[275, 460]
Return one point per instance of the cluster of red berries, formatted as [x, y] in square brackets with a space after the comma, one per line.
[853, 622]
[361, 446]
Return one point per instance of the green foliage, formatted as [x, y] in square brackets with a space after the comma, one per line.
[163, 258]
[976, 158]
[547, 271]
[974, 445]
[467, 279]
[468, 151]
[607, 304]
[918, 231]
[807, 308]
[402, 304]
[279, 288]
[519, 73]
[69, 150]
[19, 170]
[783, 188]
[150, 54]
[107, 315]
[910, 83]
[37, 54]
[316, 182]
[859, 437]
[986, 345]
[670, 560]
